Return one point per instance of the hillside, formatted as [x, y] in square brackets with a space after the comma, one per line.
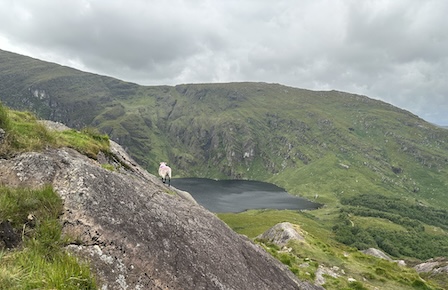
[366, 160]
[123, 227]
[81, 203]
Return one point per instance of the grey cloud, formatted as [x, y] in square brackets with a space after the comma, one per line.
[140, 36]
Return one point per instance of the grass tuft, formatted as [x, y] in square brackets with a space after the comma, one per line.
[40, 261]
[24, 133]
[88, 143]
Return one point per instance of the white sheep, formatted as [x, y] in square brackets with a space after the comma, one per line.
[164, 172]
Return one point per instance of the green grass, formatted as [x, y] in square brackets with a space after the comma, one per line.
[40, 261]
[108, 166]
[24, 133]
[88, 141]
[371, 222]
[16, 205]
[319, 248]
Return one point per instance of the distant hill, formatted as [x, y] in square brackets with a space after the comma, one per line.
[337, 147]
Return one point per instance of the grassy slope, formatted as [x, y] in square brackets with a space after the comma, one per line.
[319, 249]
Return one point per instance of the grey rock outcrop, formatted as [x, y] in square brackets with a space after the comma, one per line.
[376, 253]
[433, 266]
[323, 271]
[380, 254]
[281, 234]
[139, 234]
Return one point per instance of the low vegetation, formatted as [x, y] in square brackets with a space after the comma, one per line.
[39, 261]
[341, 266]
[88, 141]
[24, 133]
[412, 240]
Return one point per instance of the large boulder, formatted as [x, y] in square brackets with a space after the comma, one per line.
[380, 254]
[376, 253]
[282, 233]
[138, 233]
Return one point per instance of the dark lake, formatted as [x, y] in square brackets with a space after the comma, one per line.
[221, 196]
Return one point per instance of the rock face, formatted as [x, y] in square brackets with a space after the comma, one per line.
[139, 234]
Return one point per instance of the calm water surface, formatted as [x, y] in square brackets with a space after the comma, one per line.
[221, 196]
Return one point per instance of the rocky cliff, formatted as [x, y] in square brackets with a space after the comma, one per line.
[139, 234]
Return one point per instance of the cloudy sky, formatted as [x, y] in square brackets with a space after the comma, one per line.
[392, 50]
